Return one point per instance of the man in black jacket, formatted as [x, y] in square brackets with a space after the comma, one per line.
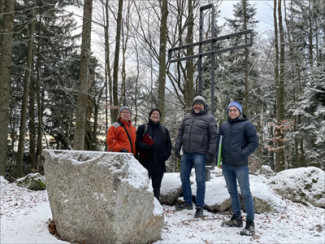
[238, 142]
[154, 145]
[198, 138]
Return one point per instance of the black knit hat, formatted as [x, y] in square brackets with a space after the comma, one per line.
[154, 109]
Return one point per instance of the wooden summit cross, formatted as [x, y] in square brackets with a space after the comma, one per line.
[174, 54]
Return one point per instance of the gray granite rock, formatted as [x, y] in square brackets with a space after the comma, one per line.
[100, 197]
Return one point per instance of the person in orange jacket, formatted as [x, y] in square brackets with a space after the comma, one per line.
[121, 135]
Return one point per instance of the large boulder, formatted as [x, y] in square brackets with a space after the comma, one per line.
[265, 199]
[32, 181]
[100, 197]
[306, 184]
[266, 170]
[171, 188]
[218, 199]
[216, 195]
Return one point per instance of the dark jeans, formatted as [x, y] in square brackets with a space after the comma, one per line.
[156, 178]
[233, 174]
[188, 161]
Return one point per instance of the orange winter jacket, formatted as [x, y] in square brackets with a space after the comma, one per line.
[118, 139]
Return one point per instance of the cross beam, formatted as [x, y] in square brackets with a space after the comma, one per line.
[174, 54]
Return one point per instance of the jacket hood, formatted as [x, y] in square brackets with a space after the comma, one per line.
[240, 118]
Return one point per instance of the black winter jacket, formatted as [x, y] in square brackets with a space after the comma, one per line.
[239, 141]
[156, 154]
[198, 133]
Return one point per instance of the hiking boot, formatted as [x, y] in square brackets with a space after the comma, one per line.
[235, 221]
[249, 229]
[198, 212]
[184, 206]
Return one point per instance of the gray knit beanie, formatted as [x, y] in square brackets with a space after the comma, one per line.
[121, 110]
[199, 99]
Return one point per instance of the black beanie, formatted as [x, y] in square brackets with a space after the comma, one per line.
[155, 109]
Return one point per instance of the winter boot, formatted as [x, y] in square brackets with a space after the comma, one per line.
[198, 212]
[249, 229]
[235, 221]
[184, 206]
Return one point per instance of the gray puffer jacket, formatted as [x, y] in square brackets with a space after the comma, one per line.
[198, 133]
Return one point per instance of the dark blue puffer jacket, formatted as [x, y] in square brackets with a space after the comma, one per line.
[239, 141]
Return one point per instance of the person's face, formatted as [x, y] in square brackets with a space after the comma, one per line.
[198, 107]
[125, 115]
[155, 116]
[233, 112]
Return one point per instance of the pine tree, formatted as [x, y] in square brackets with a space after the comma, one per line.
[311, 108]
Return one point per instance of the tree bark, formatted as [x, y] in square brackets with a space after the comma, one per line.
[280, 98]
[31, 123]
[162, 59]
[246, 60]
[125, 38]
[108, 77]
[189, 63]
[5, 83]
[114, 109]
[23, 120]
[79, 139]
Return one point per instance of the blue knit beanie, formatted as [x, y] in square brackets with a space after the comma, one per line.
[237, 105]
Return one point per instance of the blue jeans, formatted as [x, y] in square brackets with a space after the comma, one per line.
[232, 174]
[187, 162]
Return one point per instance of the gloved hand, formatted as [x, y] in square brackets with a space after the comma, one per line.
[124, 150]
[210, 159]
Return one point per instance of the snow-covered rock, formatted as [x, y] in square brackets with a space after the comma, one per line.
[101, 197]
[265, 199]
[32, 181]
[217, 197]
[306, 184]
[216, 194]
[3, 182]
[171, 188]
[266, 170]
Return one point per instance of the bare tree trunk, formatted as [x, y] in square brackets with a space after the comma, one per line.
[125, 38]
[189, 63]
[276, 63]
[2, 6]
[39, 115]
[280, 97]
[79, 139]
[162, 59]
[39, 98]
[5, 62]
[280, 102]
[31, 123]
[246, 60]
[310, 34]
[22, 129]
[136, 88]
[109, 94]
[114, 110]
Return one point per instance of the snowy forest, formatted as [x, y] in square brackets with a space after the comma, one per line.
[64, 74]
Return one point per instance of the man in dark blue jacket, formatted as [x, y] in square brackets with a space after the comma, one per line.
[154, 154]
[238, 142]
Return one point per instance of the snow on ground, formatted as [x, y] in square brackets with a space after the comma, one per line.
[24, 215]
